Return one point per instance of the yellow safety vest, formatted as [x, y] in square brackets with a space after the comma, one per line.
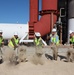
[11, 43]
[37, 41]
[54, 40]
[72, 40]
[1, 39]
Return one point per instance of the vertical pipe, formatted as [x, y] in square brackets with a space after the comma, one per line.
[34, 11]
[52, 22]
[49, 4]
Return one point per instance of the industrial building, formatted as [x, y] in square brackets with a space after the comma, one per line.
[53, 12]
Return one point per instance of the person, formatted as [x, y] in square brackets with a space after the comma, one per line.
[14, 41]
[38, 39]
[38, 49]
[1, 45]
[1, 39]
[54, 38]
[38, 43]
[71, 37]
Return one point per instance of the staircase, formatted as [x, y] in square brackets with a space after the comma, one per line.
[31, 31]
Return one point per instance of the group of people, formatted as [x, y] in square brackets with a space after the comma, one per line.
[14, 41]
[54, 39]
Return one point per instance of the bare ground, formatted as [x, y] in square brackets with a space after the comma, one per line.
[50, 67]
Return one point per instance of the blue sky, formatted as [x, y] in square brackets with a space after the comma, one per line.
[13, 11]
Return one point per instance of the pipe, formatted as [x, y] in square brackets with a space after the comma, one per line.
[52, 20]
[34, 11]
[43, 26]
[48, 18]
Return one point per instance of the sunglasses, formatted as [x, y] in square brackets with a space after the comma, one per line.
[0, 33]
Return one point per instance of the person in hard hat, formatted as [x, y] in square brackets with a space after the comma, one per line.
[54, 41]
[1, 45]
[54, 38]
[1, 39]
[38, 39]
[38, 49]
[38, 44]
[14, 41]
[71, 37]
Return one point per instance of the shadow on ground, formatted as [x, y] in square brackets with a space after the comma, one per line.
[48, 56]
[64, 58]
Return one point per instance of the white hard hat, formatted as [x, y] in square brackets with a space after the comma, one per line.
[70, 31]
[37, 34]
[53, 30]
[1, 31]
[15, 33]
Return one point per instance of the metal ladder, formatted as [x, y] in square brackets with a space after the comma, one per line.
[31, 31]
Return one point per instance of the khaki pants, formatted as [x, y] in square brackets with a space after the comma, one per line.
[38, 50]
[1, 53]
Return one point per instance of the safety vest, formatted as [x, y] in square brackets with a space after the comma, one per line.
[54, 40]
[1, 39]
[11, 43]
[72, 40]
[38, 42]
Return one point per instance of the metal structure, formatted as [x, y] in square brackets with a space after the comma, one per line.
[71, 15]
[33, 17]
[47, 20]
